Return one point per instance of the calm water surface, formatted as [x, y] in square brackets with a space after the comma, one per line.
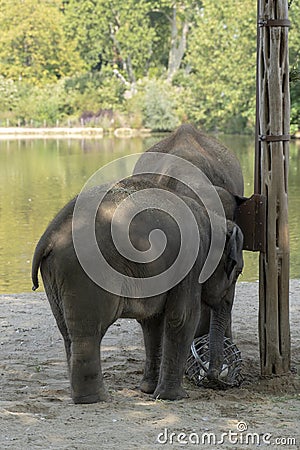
[39, 176]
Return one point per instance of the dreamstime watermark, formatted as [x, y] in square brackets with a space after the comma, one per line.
[136, 200]
[241, 436]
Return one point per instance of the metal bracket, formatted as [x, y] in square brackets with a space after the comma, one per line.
[274, 22]
[251, 218]
[274, 138]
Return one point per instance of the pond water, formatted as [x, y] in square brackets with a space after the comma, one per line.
[39, 176]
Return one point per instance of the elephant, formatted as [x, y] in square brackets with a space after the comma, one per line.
[216, 161]
[219, 166]
[168, 313]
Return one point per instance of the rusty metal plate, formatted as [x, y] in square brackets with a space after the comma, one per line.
[251, 218]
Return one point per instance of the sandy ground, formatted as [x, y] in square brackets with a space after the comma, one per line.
[36, 410]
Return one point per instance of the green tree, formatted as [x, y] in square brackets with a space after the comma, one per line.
[181, 17]
[33, 45]
[163, 60]
[117, 34]
[222, 55]
[172, 21]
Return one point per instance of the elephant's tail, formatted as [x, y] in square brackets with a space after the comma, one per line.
[47, 241]
[43, 248]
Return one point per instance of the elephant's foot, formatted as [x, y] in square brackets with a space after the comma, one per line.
[89, 394]
[148, 386]
[163, 392]
[89, 398]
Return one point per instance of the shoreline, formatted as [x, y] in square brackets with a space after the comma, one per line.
[78, 132]
[70, 132]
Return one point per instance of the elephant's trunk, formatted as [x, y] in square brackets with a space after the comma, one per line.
[216, 349]
[218, 324]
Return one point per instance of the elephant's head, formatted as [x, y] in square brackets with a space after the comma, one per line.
[228, 269]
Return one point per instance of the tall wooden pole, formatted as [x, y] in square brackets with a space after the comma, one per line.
[271, 180]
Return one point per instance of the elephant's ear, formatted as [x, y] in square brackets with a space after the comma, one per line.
[239, 199]
[234, 245]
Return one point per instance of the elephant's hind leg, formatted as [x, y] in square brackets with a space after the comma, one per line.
[153, 332]
[180, 326]
[85, 370]
[55, 302]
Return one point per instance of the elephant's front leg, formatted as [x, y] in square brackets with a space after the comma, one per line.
[180, 326]
[85, 370]
[152, 331]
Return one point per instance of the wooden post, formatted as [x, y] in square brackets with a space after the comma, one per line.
[271, 180]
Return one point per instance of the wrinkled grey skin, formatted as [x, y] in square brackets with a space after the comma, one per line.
[215, 160]
[223, 170]
[84, 311]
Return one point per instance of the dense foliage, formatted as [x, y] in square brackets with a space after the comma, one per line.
[135, 63]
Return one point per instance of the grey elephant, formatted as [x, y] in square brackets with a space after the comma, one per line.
[219, 166]
[168, 308]
[216, 161]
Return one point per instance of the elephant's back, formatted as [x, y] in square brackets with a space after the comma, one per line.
[218, 162]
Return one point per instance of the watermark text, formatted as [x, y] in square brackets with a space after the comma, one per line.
[240, 436]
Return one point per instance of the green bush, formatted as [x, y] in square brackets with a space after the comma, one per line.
[159, 107]
[9, 95]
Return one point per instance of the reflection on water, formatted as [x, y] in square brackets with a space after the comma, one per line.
[39, 176]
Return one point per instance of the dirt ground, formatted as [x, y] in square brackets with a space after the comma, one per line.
[36, 410]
